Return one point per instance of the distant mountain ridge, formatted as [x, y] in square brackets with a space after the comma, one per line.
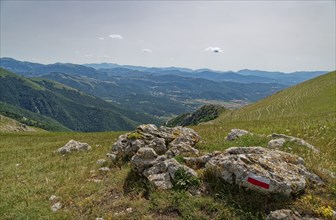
[104, 70]
[73, 109]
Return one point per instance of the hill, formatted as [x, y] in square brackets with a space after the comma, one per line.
[165, 95]
[312, 98]
[73, 109]
[10, 125]
[307, 110]
[203, 114]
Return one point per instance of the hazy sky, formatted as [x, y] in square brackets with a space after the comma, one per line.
[222, 35]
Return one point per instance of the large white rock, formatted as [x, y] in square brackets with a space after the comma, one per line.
[73, 145]
[263, 170]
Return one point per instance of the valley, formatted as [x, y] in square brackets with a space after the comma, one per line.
[294, 111]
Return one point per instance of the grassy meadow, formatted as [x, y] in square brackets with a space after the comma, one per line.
[30, 171]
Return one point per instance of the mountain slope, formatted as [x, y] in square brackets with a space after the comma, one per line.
[9, 125]
[203, 114]
[315, 97]
[75, 110]
[307, 111]
[166, 94]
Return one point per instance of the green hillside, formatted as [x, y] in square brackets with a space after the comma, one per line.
[10, 125]
[315, 97]
[307, 111]
[30, 118]
[73, 109]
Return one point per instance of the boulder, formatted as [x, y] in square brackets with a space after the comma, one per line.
[276, 143]
[295, 140]
[199, 162]
[179, 139]
[263, 170]
[284, 214]
[73, 145]
[236, 133]
[162, 174]
[157, 169]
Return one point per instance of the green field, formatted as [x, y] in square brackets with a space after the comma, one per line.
[306, 111]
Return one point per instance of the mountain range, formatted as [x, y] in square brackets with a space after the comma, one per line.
[69, 107]
[99, 97]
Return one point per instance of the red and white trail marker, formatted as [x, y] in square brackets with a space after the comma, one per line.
[259, 181]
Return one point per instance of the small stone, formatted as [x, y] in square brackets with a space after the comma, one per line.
[129, 210]
[283, 214]
[112, 157]
[101, 162]
[57, 206]
[104, 169]
[18, 164]
[53, 198]
[276, 143]
[99, 219]
[236, 133]
[95, 180]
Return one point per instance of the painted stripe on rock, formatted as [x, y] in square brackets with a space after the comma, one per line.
[259, 181]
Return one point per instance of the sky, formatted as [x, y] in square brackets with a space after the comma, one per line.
[222, 35]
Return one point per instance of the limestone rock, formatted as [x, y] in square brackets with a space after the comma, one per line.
[163, 173]
[53, 198]
[263, 170]
[276, 143]
[101, 162]
[104, 169]
[199, 162]
[236, 133]
[157, 169]
[55, 207]
[296, 140]
[284, 214]
[73, 145]
[143, 159]
[179, 139]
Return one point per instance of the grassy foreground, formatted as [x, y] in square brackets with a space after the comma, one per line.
[30, 171]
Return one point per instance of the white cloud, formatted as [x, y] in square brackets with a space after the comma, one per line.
[101, 38]
[116, 36]
[214, 49]
[146, 50]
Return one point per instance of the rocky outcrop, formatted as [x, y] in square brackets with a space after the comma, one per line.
[263, 170]
[159, 170]
[73, 145]
[295, 140]
[151, 150]
[236, 133]
[170, 141]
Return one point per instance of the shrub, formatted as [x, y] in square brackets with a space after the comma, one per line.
[184, 180]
